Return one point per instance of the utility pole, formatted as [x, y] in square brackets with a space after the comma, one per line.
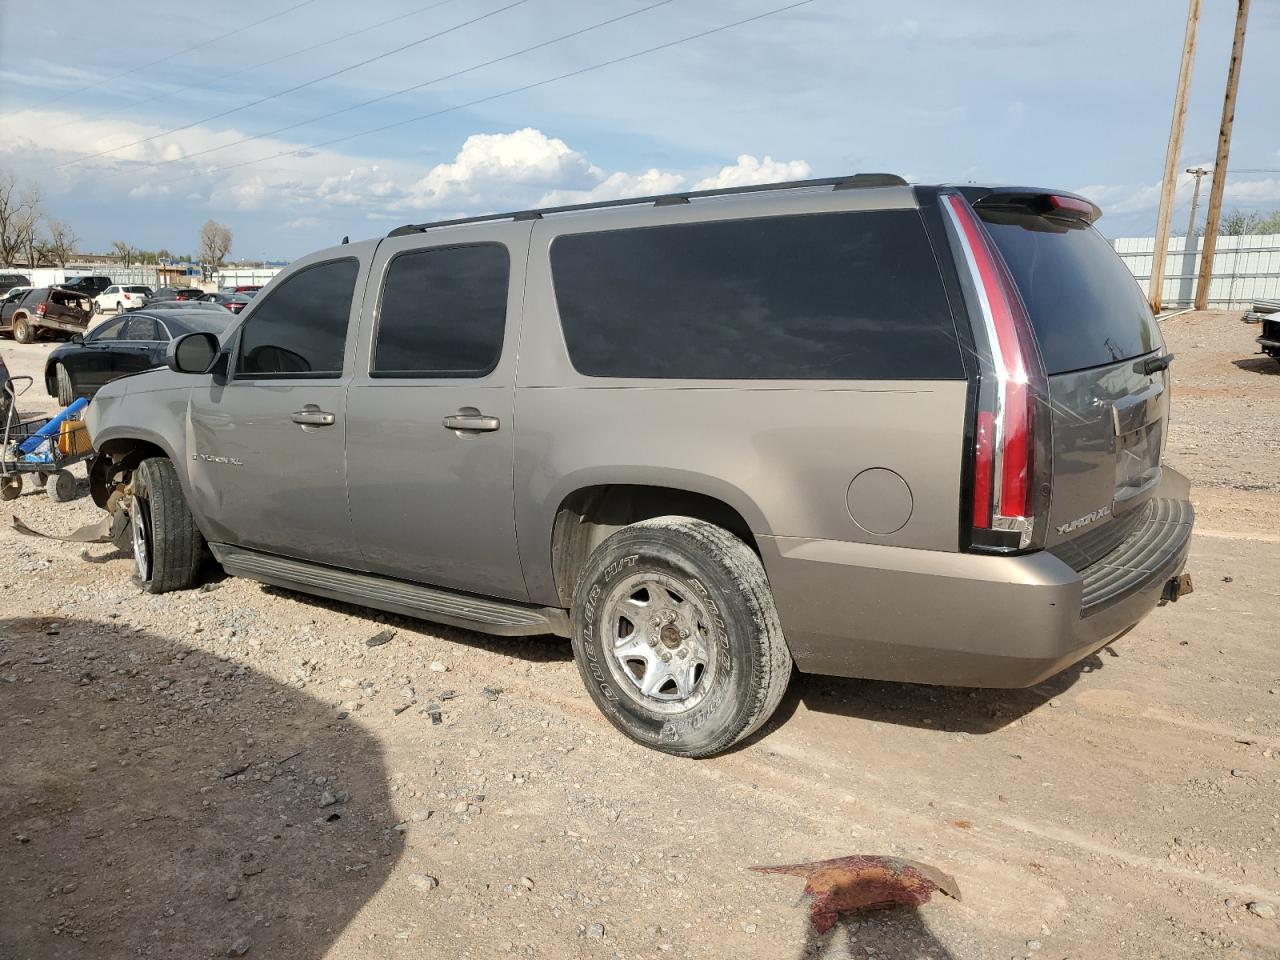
[1196, 172]
[1169, 183]
[1220, 165]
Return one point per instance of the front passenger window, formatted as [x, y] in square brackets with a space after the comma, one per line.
[300, 330]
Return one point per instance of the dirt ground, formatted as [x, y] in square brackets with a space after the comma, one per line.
[233, 771]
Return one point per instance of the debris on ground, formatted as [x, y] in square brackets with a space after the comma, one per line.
[864, 882]
[379, 638]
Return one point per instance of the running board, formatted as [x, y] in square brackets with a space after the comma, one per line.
[504, 618]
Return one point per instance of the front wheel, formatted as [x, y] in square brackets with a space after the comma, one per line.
[22, 331]
[676, 636]
[166, 542]
[66, 389]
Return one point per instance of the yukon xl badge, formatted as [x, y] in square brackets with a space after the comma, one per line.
[211, 459]
[1084, 521]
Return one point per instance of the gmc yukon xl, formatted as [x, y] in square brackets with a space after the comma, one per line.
[849, 426]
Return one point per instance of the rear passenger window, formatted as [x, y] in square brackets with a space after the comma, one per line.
[443, 313]
[841, 296]
[140, 328]
[300, 330]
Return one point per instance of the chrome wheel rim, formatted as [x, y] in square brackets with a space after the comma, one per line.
[658, 642]
[138, 521]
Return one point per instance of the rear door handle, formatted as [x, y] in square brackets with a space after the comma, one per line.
[472, 422]
[312, 416]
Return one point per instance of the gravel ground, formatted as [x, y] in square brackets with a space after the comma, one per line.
[235, 771]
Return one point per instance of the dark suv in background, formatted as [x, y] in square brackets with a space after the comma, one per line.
[45, 310]
[860, 427]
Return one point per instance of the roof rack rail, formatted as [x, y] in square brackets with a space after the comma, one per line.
[857, 180]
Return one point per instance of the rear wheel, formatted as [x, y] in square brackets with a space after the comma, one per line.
[60, 486]
[66, 389]
[166, 542]
[119, 307]
[11, 487]
[677, 638]
[22, 331]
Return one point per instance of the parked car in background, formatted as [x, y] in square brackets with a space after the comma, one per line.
[1269, 338]
[120, 298]
[861, 427]
[46, 310]
[123, 345]
[10, 280]
[183, 305]
[9, 302]
[235, 302]
[247, 288]
[178, 293]
[90, 286]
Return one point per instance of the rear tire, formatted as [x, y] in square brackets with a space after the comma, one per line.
[11, 487]
[680, 597]
[22, 331]
[66, 389]
[166, 543]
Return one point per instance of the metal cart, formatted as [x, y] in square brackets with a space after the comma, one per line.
[45, 461]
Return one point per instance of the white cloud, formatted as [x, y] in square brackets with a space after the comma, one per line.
[748, 170]
[1129, 198]
[492, 167]
[617, 186]
[300, 188]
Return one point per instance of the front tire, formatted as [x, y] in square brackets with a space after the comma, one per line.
[66, 389]
[166, 543]
[677, 638]
[22, 331]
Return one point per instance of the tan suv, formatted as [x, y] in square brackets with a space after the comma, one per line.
[854, 426]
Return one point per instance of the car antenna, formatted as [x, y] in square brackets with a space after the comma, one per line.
[345, 241]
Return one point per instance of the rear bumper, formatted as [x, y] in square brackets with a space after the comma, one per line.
[962, 619]
[65, 325]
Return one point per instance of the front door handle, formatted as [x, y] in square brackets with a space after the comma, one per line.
[471, 420]
[312, 416]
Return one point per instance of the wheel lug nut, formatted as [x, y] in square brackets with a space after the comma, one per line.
[666, 658]
[682, 653]
[653, 641]
[684, 634]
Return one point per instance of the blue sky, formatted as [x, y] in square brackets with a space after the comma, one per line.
[1074, 96]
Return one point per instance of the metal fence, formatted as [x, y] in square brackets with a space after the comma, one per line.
[1245, 269]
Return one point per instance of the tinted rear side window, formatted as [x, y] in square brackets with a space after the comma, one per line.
[301, 329]
[443, 313]
[842, 296]
[1085, 305]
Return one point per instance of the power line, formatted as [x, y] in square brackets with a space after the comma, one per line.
[179, 53]
[208, 84]
[417, 86]
[296, 87]
[505, 93]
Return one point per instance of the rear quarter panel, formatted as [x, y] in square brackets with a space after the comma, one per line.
[781, 453]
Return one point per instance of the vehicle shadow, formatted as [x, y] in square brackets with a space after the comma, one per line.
[156, 800]
[535, 649]
[1268, 366]
[949, 709]
[892, 933]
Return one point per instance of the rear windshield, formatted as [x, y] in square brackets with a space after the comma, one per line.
[1085, 305]
[135, 289]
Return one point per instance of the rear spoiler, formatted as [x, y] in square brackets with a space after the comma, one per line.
[1054, 204]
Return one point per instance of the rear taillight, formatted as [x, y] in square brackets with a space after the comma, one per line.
[1004, 450]
[40, 310]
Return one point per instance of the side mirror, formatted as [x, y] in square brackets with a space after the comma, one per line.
[192, 353]
[77, 338]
